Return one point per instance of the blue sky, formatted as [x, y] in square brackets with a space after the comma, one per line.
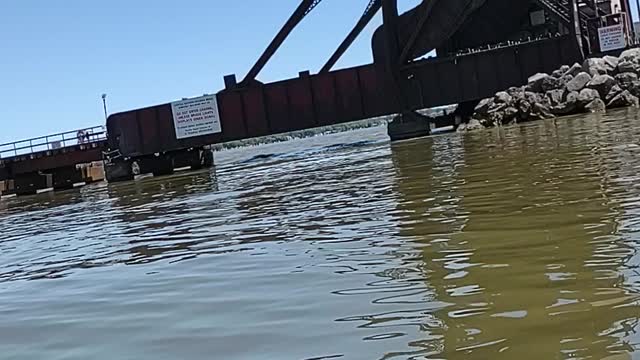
[58, 57]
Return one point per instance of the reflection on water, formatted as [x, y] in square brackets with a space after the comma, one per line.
[514, 243]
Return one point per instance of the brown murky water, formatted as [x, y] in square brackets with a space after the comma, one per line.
[518, 243]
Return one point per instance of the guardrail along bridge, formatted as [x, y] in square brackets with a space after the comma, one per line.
[481, 47]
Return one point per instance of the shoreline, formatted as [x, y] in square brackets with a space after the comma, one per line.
[595, 86]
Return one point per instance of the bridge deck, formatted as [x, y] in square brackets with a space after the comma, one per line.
[52, 151]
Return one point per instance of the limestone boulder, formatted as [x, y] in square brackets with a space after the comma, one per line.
[578, 82]
[574, 70]
[626, 66]
[611, 64]
[535, 82]
[595, 66]
[541, 111]
[483, 106]
[555, 96]
[626, 79]
[568, 106]
[625, 98]
[550, 83]
[632, 55]
[596, 106]
[503, 97]
[615, 91]
[602, 84]
[586, 96]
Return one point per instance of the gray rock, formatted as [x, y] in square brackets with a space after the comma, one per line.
[615, 90]
[569, 105]
[586, 96]
[634, 88]
[541, 111]
[524, 108]
[484, 106]
[626, 66]
[564, 68]
[625, 98]
[532, 97]
[632, 55]
[602, 84]
[555, 96]
[579, 82]
[558, 73]
[497, 107]
[503, 98]
[517, 93]
[565, 79]
[535, 82]
[510, 113]
[611, 63]
[550, 83]
[594, 66]
[574, 70]
[626, 79]
[495, 118]
[472, 125]
[596, 106]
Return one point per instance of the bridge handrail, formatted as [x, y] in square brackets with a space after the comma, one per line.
[53, 142]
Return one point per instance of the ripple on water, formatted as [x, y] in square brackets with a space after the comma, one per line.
[519, 242]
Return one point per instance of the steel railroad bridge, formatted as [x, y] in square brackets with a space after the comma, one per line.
[482, 46]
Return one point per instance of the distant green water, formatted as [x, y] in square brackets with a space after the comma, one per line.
[513, 243]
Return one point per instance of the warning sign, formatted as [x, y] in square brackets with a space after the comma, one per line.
[612, 38]
[196, 117]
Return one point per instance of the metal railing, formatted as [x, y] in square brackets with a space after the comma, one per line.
[53, 142]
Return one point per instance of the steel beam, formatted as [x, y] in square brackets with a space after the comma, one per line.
[422, 19]
[372, 9]
[303, 9]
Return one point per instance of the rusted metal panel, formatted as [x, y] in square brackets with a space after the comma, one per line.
[277, 103]
[302, 112]
[255, 110]
[349, 98]
[324, 94]
[372, 90]
[149, 137]
[71, 157]
[124, 132]
[231, 115]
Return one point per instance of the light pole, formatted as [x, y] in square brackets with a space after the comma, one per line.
[104, 105]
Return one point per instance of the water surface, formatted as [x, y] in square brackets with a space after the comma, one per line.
[513, 243]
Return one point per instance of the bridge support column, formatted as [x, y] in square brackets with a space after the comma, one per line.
[7, 187]
[408, 126]
[118, 171]
[157, 165]
[191, 159]
[30, 183]
[64, 178]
